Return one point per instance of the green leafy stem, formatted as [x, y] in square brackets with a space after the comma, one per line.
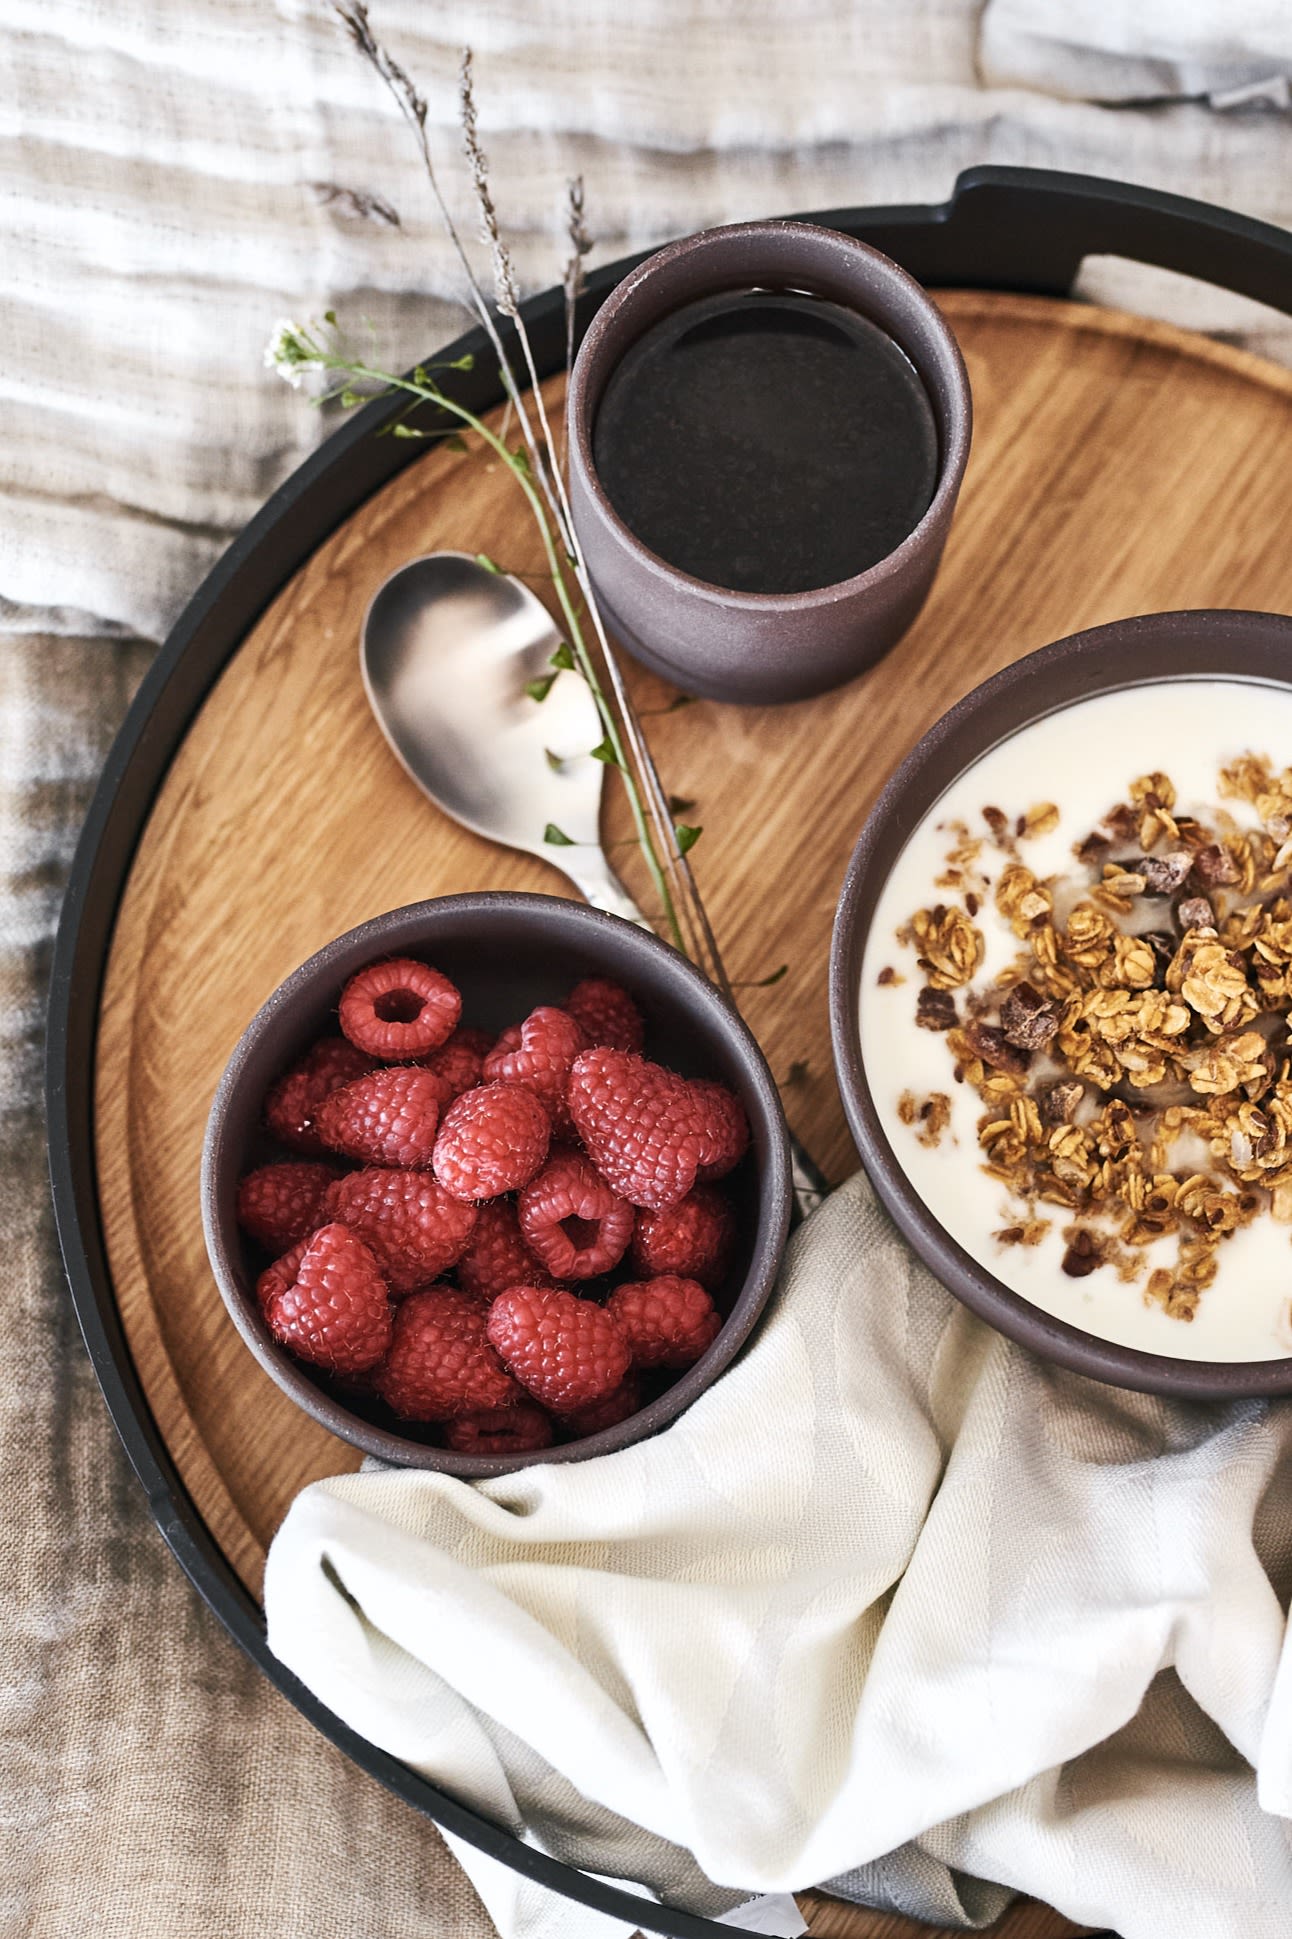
[297, 349]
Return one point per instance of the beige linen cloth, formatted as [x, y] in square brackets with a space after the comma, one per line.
[891, 1579]
[175, 175]
[1235, 53]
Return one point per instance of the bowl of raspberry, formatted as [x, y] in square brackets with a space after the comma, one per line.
[495, 1179]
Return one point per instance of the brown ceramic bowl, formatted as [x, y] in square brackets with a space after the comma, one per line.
[1128, 653]
[507, 953]
[761, 647]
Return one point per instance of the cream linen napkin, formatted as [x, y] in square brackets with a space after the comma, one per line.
[890, 1583]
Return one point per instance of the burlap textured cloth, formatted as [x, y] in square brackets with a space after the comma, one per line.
[176, 175]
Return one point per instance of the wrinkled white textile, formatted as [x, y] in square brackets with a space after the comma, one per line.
[1235, 53]
[890, 1580]
[177, 174]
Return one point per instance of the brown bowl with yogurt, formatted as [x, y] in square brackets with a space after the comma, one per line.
[1061, 993]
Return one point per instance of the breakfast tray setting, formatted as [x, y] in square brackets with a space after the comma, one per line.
[251, 811]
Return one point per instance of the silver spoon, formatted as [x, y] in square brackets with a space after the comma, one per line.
[449, 649]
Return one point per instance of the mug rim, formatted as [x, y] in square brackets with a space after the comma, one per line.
[622, 300]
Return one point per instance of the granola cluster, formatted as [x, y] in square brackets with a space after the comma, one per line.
[1133, 1063]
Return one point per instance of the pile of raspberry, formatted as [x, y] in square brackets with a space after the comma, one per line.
[510, 1242]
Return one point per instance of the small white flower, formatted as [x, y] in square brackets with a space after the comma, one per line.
[292, 352]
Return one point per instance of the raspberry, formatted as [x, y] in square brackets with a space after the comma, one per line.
[692, 1238]
[565, 1350]
[492, 1140]
[399, 1009]
[497, 1257]
[609, 1017]
[537, 1055]
[335, 1312]
[648, 1131]
[386, 1118]
[522, 1429]
[292, 1102]
[461, 1060]
[728, 1127]
[278, 1277]
[621, 1405]
[668, 1322]
[572, 1220]
[281, 1204]
[440, 1362]
[409, 1223]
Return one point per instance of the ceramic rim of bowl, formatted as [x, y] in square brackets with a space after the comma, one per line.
[1149, 650]
[605, 939]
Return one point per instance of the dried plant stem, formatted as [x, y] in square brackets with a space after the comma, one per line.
[412, 106]
[543, 483]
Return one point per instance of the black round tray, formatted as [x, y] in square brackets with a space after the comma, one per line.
[1003, 228]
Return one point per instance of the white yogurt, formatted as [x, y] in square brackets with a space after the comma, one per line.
[1083, 760]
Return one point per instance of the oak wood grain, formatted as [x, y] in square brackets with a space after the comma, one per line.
[1119, 466]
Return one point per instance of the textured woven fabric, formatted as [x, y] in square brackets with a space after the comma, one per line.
[1142, 50]
[175, 178]
[890, 1580]
[176, 174]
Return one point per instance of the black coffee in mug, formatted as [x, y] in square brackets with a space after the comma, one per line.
[767, 441]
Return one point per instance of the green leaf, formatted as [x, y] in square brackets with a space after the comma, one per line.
[540, 688]
[765, 983]
[557, 837]
[329, 316]
[467, 361]
[350, 397]
[520, 458]
[456, 442]
[679, 805]
[406, 431]
[562, 659]
[490, 565]
[686, 837]
[554, 761]
[419, 375]
[605, 753]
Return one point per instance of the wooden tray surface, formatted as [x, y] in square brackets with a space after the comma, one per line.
[1119, 466]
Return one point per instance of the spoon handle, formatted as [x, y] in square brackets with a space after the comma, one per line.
[601, 887]
[598, 884]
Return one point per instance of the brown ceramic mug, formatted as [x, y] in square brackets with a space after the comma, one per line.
[758, 647]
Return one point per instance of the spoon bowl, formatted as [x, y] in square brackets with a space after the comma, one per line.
[450, 652]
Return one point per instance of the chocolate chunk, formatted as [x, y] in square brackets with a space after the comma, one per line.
[935, 1010]
[1058, 1104]
[1195, 912]
[1082, 1256]
[1027, 1019]
[887, 975]
[1093, 851]
[1214, 866]
[991, 1044]
[1123, 821]
[998, 825]
[1164, 874]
